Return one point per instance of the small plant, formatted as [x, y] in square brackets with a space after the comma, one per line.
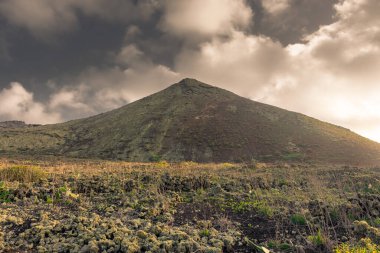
[49, 200]
[259, 206]
[264, 209]
[292, 156]
[155, 158]
[298, 219]
[334, 216]
[282, 247]
[65, 192]
[376, 222]
[61, 191]
[162, 164]
[227, 165]
[318, 239]
[22, 174]
[204, 233]
[4, 194]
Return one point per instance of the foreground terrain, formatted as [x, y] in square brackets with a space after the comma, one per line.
[98, 206]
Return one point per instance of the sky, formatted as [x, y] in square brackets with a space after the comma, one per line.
[67, 59]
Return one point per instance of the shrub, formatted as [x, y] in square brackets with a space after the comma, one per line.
[155, 158]
[318, 239]
[365, 246]
[259, 206]
[204, 233]
[49, 200]
[162, 164]
[334, 216]
[227, 165]
[4, 193]
[376, 222]
[22, 174]
[298, 219]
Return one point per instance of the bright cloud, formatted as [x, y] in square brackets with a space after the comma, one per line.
[248, 63]
[205, 17]
[18, 103]
[275, 6]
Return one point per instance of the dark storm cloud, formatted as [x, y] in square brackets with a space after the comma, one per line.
[45, 19]
[83, 34]
[4, 50]
[290, 20]
[33, 62]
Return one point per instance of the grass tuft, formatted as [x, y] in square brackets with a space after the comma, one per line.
[298, 219]
[317, 239]
[22, 174]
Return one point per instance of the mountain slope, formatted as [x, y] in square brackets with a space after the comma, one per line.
[194, 121]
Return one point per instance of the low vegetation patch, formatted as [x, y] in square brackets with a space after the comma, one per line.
[365, 246]
[318, 240]
[298, 219]
[98, 206]
[22, 174]
[4, 193]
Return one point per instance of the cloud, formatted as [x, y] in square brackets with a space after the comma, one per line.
[4, 49]
[275, 6]
[45, 18]
[119, 10]
[204, 18]
[290, 20]
[18, 103]
[98, 90]
[244, 64]
[40, 16]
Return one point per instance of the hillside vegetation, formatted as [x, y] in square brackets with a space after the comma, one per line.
[193, 121]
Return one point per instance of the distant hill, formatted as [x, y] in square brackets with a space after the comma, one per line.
[194, 121]
[15, 124]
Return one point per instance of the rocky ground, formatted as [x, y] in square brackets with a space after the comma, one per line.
[98, 206]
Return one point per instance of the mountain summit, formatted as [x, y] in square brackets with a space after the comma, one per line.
[195, 121]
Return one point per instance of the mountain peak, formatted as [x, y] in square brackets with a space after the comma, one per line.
[193, 83]
[190, 81]
[189, 86]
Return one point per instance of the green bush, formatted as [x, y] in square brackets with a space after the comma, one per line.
[22, 174]
[258, 205]
[4, 194]
[298, 219]
[49, 200]
[155, 158]
[204, 233]
[376, 222]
